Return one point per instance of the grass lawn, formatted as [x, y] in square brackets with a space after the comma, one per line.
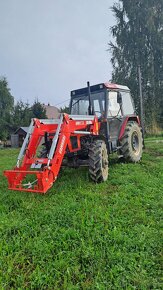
[81, 235]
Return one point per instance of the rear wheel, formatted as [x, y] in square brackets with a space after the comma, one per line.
[98, 161]
[132, 143]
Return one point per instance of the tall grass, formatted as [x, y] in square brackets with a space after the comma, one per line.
[81, 235]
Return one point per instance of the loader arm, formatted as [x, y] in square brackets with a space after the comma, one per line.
[45, 170]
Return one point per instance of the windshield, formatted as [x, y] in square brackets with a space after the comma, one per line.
[80, 104]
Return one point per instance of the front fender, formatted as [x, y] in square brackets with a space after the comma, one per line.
[124, 123]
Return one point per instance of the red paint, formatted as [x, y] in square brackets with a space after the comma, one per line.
[127, 119]
[110, 86]
[46, 176]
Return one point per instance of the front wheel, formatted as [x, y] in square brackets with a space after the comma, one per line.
[132, 142]
[98, 161]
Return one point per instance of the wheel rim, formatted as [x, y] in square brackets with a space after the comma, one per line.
[135, 143]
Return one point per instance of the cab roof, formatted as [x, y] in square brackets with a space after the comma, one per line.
[99, 87]
[116, 86]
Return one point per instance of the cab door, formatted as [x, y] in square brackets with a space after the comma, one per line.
[114, 116]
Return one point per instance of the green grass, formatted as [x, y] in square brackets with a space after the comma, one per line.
[81, 235]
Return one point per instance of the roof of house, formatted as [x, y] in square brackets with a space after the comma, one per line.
[52, 112]
[25, 129]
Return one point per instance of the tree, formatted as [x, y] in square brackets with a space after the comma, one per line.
[38, 111]
[138, 35]
[22, 115]
[12, 117]
[65, 109]
[6, 109]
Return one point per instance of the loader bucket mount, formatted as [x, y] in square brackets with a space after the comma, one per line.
[44, 177]
[45, 170]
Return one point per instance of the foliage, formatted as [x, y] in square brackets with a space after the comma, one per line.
[13, 116]
[6, 109]
[83, 235]
[65, 109]
[138, 35]
[22, 115]
[38, 111]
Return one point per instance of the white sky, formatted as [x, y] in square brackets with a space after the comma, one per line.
[50, 47]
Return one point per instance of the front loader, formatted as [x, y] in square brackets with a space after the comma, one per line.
[102, 120]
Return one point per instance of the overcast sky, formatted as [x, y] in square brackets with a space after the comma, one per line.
[50, 47]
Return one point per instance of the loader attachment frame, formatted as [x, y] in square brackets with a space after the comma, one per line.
[45, 170]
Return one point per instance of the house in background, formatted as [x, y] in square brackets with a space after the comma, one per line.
[52, 112]
[19, 135]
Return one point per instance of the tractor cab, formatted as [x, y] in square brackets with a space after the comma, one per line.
[106, 100]
[111, 103]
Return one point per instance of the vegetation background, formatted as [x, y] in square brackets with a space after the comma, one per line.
[138, 41]
[13, 116]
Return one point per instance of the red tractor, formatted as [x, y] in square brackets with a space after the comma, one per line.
[102, 120]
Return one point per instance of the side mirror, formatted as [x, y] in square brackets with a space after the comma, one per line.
[119, 98]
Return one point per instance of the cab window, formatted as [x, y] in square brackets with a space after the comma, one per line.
[114, 108]
[127, 103]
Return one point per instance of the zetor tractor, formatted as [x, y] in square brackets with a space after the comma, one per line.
[102, 120]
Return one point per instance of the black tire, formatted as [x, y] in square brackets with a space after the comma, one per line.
[132, 142]
[98, 161]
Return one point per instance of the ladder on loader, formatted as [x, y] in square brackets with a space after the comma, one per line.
[45, 170]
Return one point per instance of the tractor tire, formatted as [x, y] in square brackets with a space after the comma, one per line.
[132, 142]
[98, 161]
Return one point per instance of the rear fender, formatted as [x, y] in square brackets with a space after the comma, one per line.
[124, 123]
